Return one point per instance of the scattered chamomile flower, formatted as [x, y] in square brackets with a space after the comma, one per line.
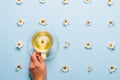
[19, 44]
[66, 44]
[88, 23]
[43, 22]
[42, 1]
[19, 2]
[66, 22]
[90, 68]
[20, 22]
[111, 45]
[65, 1]
[65, 68]
[87, 1]
[110, 2]
[19, 67]
[111, 23]
[88, 45]
[112, 68]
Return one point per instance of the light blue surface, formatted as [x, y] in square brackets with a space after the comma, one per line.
[75, 57]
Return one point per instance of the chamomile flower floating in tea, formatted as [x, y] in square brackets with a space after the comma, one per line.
[19, 67]
[19, 44]
[111, 45]
[89, 69]
[19, 2]
[20, 22]
[111, 23]
[66, 44]
[110, 2]
[65, 1]
[88, 45]
[42, 1]
[65, 68]
[88, 23]
[43, 22]
[43, 40]
[112, 68]
[66, 22]
[87, 1]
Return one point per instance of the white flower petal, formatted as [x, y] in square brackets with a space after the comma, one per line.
[65, 68]
[87, 1]
[19, 67]
[90, 68]
[88, 23]
[65, 1]
[19, 2]
[110, 2]
[66, 22]
[88, 45]
[112, 68]
[42, 1]
[111, 23]
[19, 44]
[20, 22]
[111, 45]
[66, 44]
[43, 22]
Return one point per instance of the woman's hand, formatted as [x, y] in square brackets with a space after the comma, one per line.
[37, 67]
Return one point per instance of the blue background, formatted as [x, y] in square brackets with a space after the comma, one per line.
[76, 57]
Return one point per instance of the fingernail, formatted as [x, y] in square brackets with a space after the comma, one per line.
[37, 53]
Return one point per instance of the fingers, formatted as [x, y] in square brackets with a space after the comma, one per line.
[34, 58]
[40, 59]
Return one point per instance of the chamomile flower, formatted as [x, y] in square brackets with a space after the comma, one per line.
[66, 44]
[19, 44]
[65, 68]
[20, 22]
[43, 22]
[65, 1]
[87, 1]
[110, 2]
[43, 40]
[66, 22]
[111, 23]
[88, 45]
[112, 68]
[88, 23]
[19, 2]
[90, 68]
[42, 1]
[19, 67]
[111, 45]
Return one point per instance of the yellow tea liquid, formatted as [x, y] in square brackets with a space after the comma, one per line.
[42, 41]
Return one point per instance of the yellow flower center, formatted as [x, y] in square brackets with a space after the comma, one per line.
[19, 44]
[109, 0]
[20, 21]
[43, 21]
[42, 41]
[110, 45]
